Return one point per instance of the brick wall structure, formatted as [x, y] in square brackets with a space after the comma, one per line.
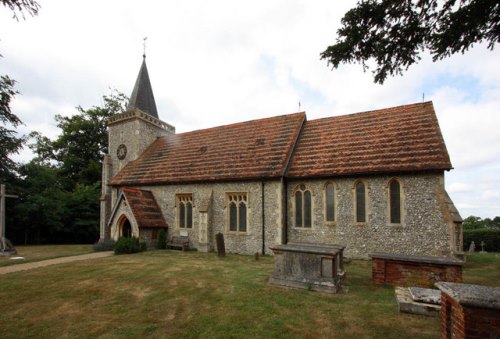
[415, 271]
[469, 311]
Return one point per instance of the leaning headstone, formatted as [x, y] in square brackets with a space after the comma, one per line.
[472, 247]
[221, 249]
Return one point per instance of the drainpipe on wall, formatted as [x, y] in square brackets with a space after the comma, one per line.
[263, 219]
[285, 211]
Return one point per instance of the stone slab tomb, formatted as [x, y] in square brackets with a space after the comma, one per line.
[417, 300]
[469, 311]
[414, 270]
[308, 266]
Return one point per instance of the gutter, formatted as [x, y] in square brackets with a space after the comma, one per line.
[263, 218]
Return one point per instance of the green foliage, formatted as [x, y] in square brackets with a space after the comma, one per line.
[59, 189]
[129, 245]
[394, 33]
[472, 222]
[490, 236]
[83, 142]
[162, 239]
[40, 203]
[105, 245]
[10, 142]
[46, 212]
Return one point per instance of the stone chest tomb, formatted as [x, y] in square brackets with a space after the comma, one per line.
[309, 266]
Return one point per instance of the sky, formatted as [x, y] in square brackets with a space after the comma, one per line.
[217, 62]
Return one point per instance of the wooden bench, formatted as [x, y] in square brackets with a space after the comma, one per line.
[179, 241]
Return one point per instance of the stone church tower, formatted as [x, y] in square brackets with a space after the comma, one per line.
[130, 133]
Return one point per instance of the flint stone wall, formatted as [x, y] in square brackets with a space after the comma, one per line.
[423, 230]
[248, 242]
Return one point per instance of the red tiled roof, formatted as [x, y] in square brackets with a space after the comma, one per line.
[404, 138]
[248, 150]
[143, 204]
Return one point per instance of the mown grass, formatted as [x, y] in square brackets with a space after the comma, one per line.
[43, 252]
[174, 294]
[482, 269]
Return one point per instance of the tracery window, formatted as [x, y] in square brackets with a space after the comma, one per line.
[360, 201]
[185, 210]
[302, 207]
[395, 201]
[237, 210]
[330, 202]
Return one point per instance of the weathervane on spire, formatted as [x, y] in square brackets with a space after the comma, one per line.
[144, 46]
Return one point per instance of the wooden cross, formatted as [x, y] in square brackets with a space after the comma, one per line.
[2, 209]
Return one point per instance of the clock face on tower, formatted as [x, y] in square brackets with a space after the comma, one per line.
[121, 152]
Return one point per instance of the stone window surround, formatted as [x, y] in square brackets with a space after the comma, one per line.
[335, 202]
[184, 198]
[355, 202]
[246, 202]
[401, 202]
[294, 207]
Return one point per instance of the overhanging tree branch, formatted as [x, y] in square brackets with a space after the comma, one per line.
[394, 33]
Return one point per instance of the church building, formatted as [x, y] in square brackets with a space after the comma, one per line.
[372, 181]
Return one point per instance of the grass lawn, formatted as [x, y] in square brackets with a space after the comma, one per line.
[174, 294]
[42, 252]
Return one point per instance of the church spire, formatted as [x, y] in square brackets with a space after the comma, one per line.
[142, 95]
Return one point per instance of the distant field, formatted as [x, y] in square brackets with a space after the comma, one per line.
[41, 252]
[174, 294]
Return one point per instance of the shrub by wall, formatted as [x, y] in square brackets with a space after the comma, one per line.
[490, 236]
[129, 245]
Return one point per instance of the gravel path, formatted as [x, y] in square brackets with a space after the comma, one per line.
[43, 263]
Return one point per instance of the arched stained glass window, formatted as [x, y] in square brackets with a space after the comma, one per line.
[360, 202]
[395, 201]
[237, 211]
[303, 201]
[242, 211]
[330, 202]
[298, 209]
[233, 217]
[185, 210]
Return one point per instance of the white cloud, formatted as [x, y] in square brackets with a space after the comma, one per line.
[459, 187]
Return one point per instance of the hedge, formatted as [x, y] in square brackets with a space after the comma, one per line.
[490, 236]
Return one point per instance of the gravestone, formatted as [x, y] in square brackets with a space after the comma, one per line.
[472, 247]
[482, 247]
[221, 249]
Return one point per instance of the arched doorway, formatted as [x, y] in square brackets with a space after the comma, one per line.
[125, 228]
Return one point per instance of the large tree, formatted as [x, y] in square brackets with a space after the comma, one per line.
[59, 189]
[10, 143]
[79, 149]
[393, 33]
